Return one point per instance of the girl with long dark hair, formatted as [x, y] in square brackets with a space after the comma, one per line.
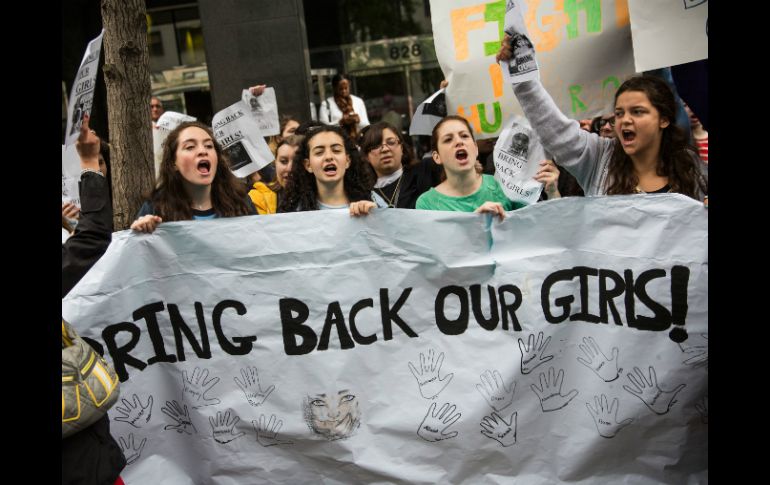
[328, 173]
[650, 154]
[195, 181]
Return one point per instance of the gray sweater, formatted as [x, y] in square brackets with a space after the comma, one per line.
[585, 155]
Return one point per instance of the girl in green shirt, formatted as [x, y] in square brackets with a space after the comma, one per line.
[464, 189]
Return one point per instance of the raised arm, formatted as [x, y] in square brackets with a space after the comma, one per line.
[576, 150]
[94, 231]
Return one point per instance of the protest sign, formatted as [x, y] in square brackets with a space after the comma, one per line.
[667, 33]
[241, 139]
[82, 93]
[583, 53]
[264, 110]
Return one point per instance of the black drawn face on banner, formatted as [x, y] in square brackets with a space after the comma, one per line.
[520, 145]
[254, 102]
[333, 416]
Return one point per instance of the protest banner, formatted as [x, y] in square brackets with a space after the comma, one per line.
[567, 343]
[583, 51]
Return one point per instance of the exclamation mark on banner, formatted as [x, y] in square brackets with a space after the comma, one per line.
[680, 276]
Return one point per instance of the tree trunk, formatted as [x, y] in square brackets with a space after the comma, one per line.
[127, 76]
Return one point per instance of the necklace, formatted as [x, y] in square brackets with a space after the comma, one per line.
[392, 201]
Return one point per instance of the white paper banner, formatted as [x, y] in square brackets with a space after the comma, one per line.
[264, 110]
[82, 94]
[242, 139]
[428, 114]
[411, 346]
[583, 53]
[517, 154]
[667, 33]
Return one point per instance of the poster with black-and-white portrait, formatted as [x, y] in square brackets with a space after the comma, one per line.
[522, 66]
[517, 156]
[240, 137]
[264, 110]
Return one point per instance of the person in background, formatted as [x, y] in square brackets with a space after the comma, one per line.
[195, 182]
[69, 211]
[156, 109]
[400, 178]
[266, 196]
[604, 126]
[344, 108]
[90, 456]
[699, 135]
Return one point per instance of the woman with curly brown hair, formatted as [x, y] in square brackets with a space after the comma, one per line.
[195, 182]
[650, 154]
[328, 173]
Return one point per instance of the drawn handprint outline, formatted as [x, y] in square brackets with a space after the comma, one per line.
[267, 431]
[606, 416]
[550, 388]
[493, 389]
[648, 391]
[127, 446]
[181, 415]
[136, 413]
[597, 360]
[196, 386]
[533, 348]
[429, 379]
[251, 387]
[223, 428]
[430, 427]
[700, 357]
[497, 428]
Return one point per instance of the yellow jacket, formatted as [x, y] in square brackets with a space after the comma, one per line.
[265, 200]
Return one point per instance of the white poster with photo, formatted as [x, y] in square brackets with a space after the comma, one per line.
[667, 33]
[82, 93]
[241, 139]
[523, 64]
[517, 155]
[428, 114]
[70, 175]
[583, 51]
[264, 110]
[565, 343]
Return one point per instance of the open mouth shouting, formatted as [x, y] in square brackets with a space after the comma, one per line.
[462, 155]
[204, 167]
[330, 169]
[627, 136]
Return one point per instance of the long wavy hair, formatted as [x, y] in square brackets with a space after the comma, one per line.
[170, 199]
[678, 159]
[372, 139]
[301, 193]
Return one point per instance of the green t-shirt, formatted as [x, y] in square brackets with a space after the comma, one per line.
[490, 191]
